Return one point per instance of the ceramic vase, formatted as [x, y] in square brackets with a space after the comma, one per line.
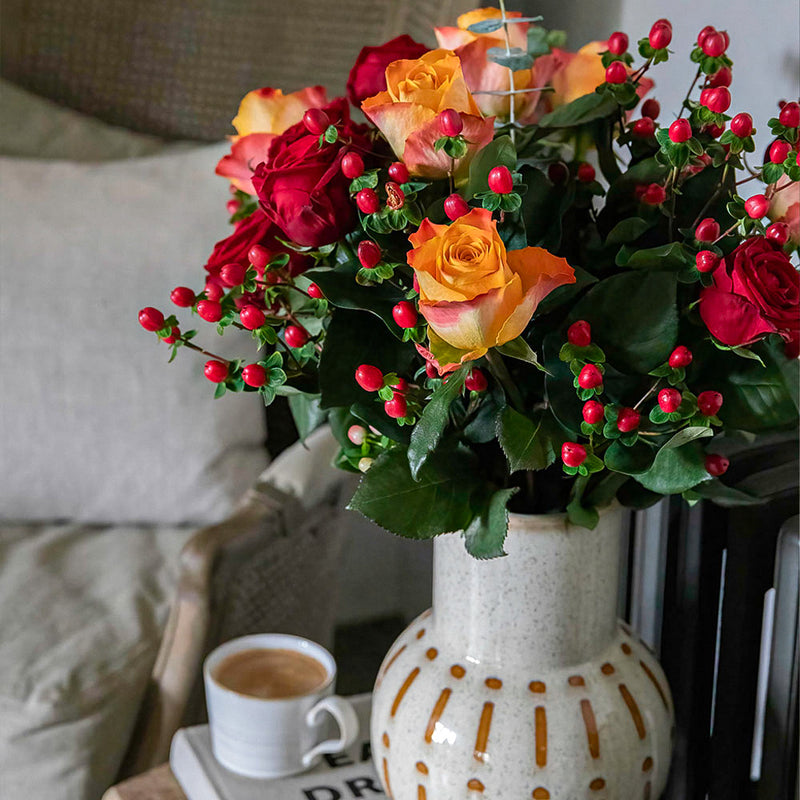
[521, 682]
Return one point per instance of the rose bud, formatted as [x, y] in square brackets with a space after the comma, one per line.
[573, 454]
[708, 403]
[716, 464]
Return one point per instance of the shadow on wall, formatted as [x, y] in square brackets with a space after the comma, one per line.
[583, 20]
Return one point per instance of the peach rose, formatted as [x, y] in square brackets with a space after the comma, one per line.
[418, 90]
[577, 74]
[263, 114]
[473, 292]
[483, 75]
[785, 207]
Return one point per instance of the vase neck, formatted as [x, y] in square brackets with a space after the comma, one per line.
[551, 602]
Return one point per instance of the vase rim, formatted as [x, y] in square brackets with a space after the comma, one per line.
[521, 523]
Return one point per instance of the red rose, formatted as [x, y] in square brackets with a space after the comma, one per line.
[368, 75]
[255, 229]
[756, 292]
[301, 186]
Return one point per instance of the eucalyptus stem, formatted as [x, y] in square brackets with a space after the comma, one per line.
[503, 376]
[512, 86]
[647, 394]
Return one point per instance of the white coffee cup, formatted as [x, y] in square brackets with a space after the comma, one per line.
[271, 738]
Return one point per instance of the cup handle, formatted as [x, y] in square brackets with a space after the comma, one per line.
[344, 714]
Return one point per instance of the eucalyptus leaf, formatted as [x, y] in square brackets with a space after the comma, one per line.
[437, 502]
[428, 431]
[514, 58]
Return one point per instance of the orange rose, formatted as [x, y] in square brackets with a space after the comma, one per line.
[263, 114]
[418, 90]
[473, 292]
[577, 74]
[785, 207]
[483, 75]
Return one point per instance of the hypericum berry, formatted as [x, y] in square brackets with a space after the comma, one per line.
[316, 121]
[315, 292]
[707, 230]
[742, 125]
[586, 173]
[216, 371]
[500, 180]
[151, 319]
[717, 100]
[628, 419]
[651, 108]
[706, 261]
[722, 77]
[778, 151]
[660, 35]
[680, 131]
[357, 434]
[455, 206]
[714, 130]
[254, 375]
[703, 33]
[557, 172]
[252, 317]
[713, 44]
[590, 377]
[573, 454]
[778, 232]
[654, 195]
[616, 73]
[174, 335]
[369, 378]
[232, 274]
[213, 291]
[708, 403]
[405, 314]
[476, 381]
[396, 408]
[352, 165]
[680, 357]
[367, 201]
[365, 463]
[580, 333]
[593, 412]
[232, 206]
[643, 128]
[669, 400]
[400, 385]
[790, 115]
[295, 336]
[756, 206]
[209, 310]
[618, 43]
[704, 95]
[182, 296]
[450, 122]
[716, 464]
[259, 256]
[398, 171]
[395, 196]
[369, 254]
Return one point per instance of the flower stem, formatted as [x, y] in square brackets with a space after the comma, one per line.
[691, 88]
[503, 376]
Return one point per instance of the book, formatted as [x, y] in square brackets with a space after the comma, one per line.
[338, 776]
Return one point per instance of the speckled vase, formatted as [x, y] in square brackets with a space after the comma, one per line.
[521, 682]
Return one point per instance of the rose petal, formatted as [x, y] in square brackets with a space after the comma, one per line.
[731, 318]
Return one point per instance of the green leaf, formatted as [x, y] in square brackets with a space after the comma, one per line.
[514, 59]
[529, 443]
[582, 516]
[485, 535]
[219, 391]
[667, 257]
[354, 338]
[585, 109]
[563, 294]
[633, 317]
[629, 460]
[727, 496]
[518, 348]
[628, 230]
[437, 502]
[675, 470]
[429, 429]
[500, 151]
[306, 413]
[689, 434]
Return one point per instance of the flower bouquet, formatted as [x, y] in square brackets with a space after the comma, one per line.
[514, 288]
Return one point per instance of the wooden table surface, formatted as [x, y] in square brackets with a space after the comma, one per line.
[157, 784]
